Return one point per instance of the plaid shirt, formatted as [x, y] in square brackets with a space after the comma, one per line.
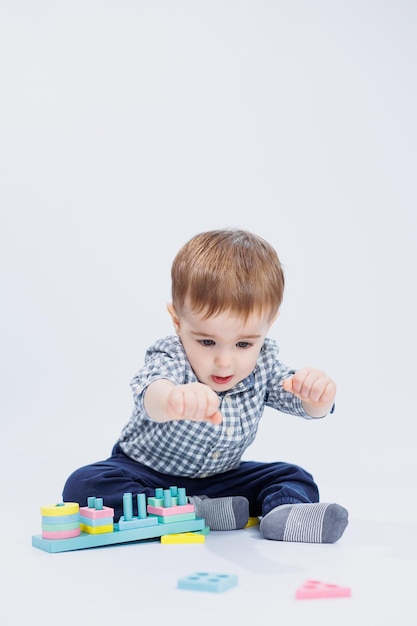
[200, 449]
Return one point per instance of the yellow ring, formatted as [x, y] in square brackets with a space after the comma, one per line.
[66, 508]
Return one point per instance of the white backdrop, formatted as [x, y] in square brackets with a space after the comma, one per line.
[128, 126]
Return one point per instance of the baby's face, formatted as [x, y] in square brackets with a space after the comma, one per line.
[223, 349]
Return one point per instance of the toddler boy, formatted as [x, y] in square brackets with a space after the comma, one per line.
[200, 395]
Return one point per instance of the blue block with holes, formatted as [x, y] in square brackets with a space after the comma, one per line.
[206, 581]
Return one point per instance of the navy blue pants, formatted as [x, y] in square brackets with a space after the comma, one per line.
[265, 485]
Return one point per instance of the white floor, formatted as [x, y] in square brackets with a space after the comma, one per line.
[376, 558]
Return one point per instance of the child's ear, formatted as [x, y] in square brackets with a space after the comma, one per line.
[174, 317]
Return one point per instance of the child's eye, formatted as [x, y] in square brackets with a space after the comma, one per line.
[206, 342]
[243, 344]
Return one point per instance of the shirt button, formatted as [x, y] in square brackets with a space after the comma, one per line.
[216, 454]
[230, 431]
[227, 400]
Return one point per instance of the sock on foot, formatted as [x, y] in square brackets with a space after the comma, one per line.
[309, 523]
[230, 513]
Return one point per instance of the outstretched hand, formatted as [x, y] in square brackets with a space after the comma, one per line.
[194, 401]
[316, 390]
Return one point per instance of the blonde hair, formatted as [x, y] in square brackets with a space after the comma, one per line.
[227, 270]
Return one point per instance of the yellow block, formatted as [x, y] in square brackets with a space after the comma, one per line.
[55, 510]
[252, 521]
[97, 530]
[183, 538]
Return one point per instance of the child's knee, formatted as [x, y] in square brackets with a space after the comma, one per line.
[72, 491]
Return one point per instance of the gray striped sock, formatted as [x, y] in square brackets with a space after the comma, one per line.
[309, 523]
[228, 513]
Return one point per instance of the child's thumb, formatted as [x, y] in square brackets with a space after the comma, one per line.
[287, 384]
[216, 418]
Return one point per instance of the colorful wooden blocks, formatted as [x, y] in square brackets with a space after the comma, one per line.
[93, 526]
[95, 518]
[61, 521]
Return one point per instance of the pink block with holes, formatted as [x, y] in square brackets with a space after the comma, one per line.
[316, 589]
[170, 510]
[106, 511]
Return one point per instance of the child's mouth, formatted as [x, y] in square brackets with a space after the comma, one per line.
[221, 380]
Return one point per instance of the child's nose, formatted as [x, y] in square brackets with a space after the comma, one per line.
[223, 359]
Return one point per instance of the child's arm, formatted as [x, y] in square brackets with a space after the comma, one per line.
[314, 388]
[165, 401]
